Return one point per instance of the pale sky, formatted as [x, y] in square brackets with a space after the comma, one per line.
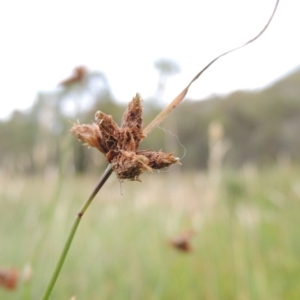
[42, 42]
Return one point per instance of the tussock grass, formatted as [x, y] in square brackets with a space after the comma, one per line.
[247, 244]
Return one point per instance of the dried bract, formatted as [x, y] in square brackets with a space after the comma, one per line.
[120, 144]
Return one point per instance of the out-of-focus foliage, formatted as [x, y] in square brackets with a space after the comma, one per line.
[18, 136]
[246, 244]
[262, 127]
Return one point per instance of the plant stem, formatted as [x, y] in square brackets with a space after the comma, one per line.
[72, 232]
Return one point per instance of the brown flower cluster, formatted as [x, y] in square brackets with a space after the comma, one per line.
[182, 242]
[78, 76]
[9, 278]
[120, 144]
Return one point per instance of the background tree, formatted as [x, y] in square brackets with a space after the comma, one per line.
[262, 126]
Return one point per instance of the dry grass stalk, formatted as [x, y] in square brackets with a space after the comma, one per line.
[27, 273]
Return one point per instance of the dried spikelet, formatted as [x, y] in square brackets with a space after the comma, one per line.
[129, 165]
[109, 131]
[132, 117]
[9, 278]
[107, 125]
[159, 160]
[89, 135]
[132, 120]
[120, 144]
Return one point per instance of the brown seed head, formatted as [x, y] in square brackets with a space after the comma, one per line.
[9, 278]
[120, 144]
[182, 242]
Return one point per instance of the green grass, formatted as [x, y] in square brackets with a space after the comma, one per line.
[247, 244]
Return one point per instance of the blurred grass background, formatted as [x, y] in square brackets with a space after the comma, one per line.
[246, 244]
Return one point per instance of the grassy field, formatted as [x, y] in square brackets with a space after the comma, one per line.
[247, 242]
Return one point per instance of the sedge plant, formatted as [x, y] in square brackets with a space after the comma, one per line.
[120, 147]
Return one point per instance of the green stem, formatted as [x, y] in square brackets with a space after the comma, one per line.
[72, 232]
